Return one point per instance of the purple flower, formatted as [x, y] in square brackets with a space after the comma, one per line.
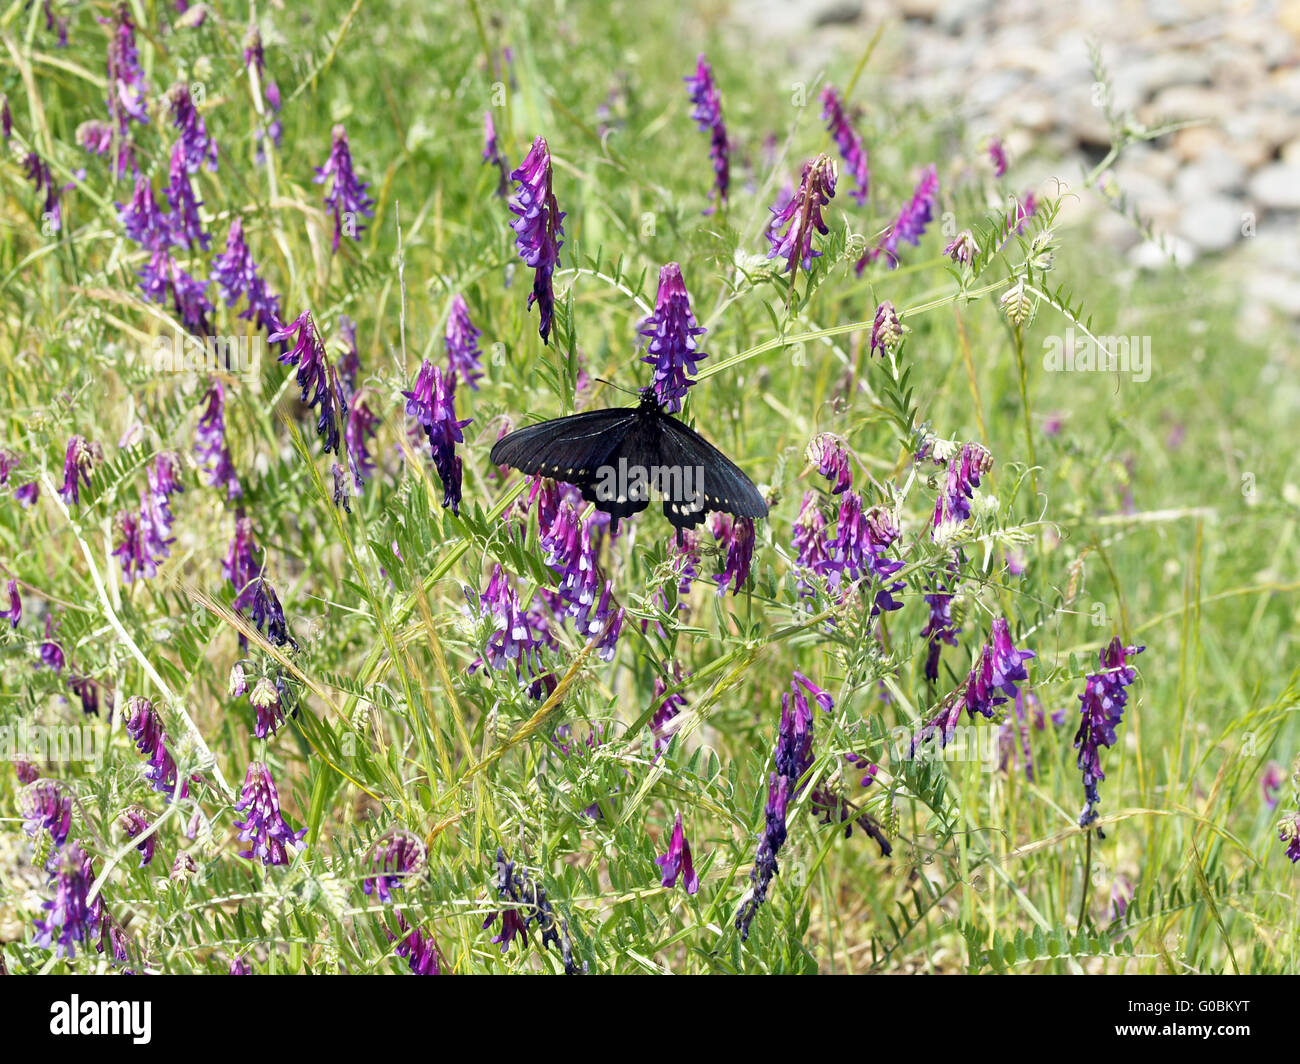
[812, 551]
[51, 654]
[88, 691]
[196, 146]
[14, 614]
[830, 455]
[911, 222]
[347, 199]
[1270, 782]
[964, 471]
[1104, 698]
[677, 861]
[492, 154]
[6, 119]
[357, 434]
[265, 698]
[126, 84]
[1288, 830]
[516, 642]
[538, 228]
[703, 94]
[792, 758]
[462, 344]
[993, 679]
[162, 278]
[672, 330]
[28, 493]
[38, 173]
[239, 966]
[669, 706]
[420, 951]
[8, 463]
[143, 221]
[848, 141]
[1024, 210]
[186, 224]
[395, 857]
[962, 248]
[738, 534]
[433, 404]
[858, 550]
[802, 215]
[46, 806]
[133, 822]
[258, 598]
[210, 443]
[25, 771]
[263, 824]
[78, 459]
[529, 905]
[135, 561]
[145, 727]
[71, 919]
[939, 627]
[886, 329]
[308, 354]
[998, 155]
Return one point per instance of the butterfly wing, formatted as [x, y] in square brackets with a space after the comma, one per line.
[614, 485]
[725, 486]
[583, 450]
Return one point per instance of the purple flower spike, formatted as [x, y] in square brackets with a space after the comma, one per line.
[78, 460]
[396, 857]
[308, 355]
[1289, 832]
[991, 682]
[126, 84]
[260, 601]
[1270, 782]
[998, 155]
[940, 628]
[210, 443]
[51, 654]
[962, 249]
[263, 824]
[361, 427]
[237, 276]
[462, 344]
[708, 117]
[1104, 698]
[886, 329]
[185, 221]
[38, 173]
[347, 199]
[911, 222]
[143, 221]
[803, 214]
[420, 951]
[492, 154]
[538, 228]
[672, 330]
[830, 455]
[849, 143]
[145, 727]
[433, 404]
[738, 534]
[72, 919]
[28, 493]
[134, 822]
[677, 861]
[964, 471]
[14, 614]
[46, 806]
[670, 706]
[197, 147]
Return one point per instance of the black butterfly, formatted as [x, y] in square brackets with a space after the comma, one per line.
[600, 451]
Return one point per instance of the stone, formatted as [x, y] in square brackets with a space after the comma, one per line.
[1149, 255]
[1213, 174]
[1277, 187]
[1213, 223]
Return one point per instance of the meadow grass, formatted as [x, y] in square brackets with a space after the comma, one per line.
[1160, 510]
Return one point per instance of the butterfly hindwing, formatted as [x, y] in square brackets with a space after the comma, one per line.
[725, 488]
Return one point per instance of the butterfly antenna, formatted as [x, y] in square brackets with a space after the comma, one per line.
[616, 387]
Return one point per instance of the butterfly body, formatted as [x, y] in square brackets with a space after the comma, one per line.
[618, 458]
